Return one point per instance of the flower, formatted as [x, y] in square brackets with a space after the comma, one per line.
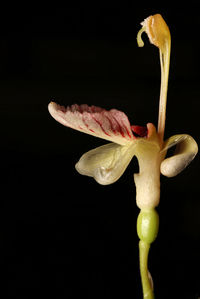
[107, 163]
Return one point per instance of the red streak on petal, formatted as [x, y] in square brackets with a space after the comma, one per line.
[127, 131]
[84, 121]
[120, 129]
[86, 124]
[98, 122]
[111, 124]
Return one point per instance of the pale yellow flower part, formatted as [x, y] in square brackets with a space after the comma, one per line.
[185, 152]
[107, 163]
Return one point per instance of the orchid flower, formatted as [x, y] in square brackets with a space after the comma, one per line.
[107, 163]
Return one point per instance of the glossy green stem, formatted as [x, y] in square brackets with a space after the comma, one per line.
[147, 229]
[146, 282]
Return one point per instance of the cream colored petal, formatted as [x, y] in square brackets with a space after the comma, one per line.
[106, 163]
[186, 150]
[112, 125]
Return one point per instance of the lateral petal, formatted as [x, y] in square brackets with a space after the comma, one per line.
[106, 163]
[186, 150]
[111, 125]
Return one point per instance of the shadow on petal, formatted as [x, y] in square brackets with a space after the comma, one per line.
[107, 163]
[186, 150]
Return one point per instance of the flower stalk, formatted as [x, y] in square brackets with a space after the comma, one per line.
[147, 284]
[147, 229]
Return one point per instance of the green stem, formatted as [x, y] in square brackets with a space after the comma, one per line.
[145, 275]
[147, 229]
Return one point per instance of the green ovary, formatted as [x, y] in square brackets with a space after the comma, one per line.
[148, 225]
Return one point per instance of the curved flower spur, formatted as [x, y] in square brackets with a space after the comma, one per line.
[108, 162]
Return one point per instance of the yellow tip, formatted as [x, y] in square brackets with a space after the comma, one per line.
[157, 31]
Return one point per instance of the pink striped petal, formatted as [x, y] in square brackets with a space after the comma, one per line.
[112, 125]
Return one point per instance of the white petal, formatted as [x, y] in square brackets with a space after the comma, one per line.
[106, 163]
[186, 150]
[111, 125]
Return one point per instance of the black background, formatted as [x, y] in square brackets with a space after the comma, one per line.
[61, 233]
